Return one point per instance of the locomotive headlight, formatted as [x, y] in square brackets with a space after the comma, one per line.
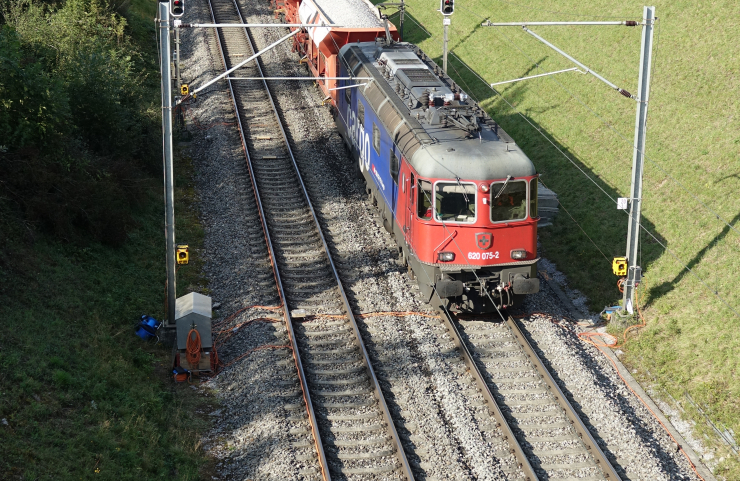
[484, 188]
[518, 254]
[446, 256]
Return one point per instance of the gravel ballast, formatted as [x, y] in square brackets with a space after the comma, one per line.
[260, 430]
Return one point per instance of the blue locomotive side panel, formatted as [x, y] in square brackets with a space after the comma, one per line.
[371, 144]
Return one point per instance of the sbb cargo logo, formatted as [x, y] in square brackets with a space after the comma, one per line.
[360, 138]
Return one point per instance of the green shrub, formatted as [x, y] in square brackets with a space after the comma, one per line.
[75, 106]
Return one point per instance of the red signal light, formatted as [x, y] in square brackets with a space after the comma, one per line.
[177, 8]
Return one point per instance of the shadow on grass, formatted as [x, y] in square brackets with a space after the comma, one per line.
[668, 286]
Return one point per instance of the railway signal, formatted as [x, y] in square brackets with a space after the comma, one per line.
[447, 7]
[177, 8]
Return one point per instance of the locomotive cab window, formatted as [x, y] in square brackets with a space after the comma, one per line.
[424, 203]
[394, 166]
[376, 138]
[533, 198]
[348, 92]
[454, 202]
[508, 201]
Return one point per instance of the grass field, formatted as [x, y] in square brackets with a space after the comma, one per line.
[82, 396]
[691, 342]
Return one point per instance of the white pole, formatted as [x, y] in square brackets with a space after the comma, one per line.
[446, 24]
[177, 59]
[169, 180]
[638, 160]
[245, 61]
[627, 23]
[536, 76]
[587, 70]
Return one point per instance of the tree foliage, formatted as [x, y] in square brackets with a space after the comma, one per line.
[76, 117]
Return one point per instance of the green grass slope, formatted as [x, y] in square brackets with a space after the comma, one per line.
[572, 121]
[81, 397]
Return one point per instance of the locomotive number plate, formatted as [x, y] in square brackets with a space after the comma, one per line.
[483, 255]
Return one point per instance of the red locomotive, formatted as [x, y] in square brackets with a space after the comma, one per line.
[453, 189]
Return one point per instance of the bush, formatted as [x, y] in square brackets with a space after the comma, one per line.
[76, 114]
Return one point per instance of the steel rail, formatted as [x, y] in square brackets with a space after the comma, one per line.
[366, 359]
[278, 281]
[494, 408]
[573, 417]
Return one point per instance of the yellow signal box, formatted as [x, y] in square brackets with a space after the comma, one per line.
[184, 90]
[619, 266]
[182, 255]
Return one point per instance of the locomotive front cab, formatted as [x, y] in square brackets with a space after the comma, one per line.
[476, 242]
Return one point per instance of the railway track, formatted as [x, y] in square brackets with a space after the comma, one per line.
[537, 433]
[548, 432]
[353, 433]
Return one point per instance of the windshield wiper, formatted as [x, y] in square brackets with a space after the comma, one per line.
[508, 178]
[465, 195]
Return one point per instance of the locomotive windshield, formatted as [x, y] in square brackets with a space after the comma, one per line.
[508, 201]
[454, 202]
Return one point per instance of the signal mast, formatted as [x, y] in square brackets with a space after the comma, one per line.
[447, 7]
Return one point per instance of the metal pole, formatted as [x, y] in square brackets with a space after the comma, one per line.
[446, 23]
[240, 64]
[585, 68]
[627, 23]
[177, 57]
[169, 181]
[400, 16]
[633, 232]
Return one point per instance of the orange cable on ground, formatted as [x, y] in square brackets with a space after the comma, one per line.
[397, 313]
[680, 448]
[589, 336]
[258, 348]
[192, 349]
[233, 315]
[616, 368]
[218, 339]
[375, 314]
